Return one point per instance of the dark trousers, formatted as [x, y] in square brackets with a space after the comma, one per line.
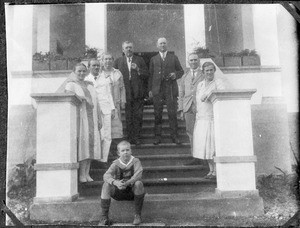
[165, 96]
[134, 118]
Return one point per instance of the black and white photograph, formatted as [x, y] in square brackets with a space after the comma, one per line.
[152, 114]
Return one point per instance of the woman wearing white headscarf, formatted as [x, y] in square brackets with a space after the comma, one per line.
[203, 137]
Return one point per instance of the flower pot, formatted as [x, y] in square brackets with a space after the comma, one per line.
[219, 61]
[71, 63]
[40, 65]
[230, 61]
[252, 60]
[60, 64]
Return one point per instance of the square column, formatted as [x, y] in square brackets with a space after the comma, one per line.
[235, 160]
[56, 158]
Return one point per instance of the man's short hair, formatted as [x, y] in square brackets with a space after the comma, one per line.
[124, 142]
[89, 62]
[192, 53]
[126, 42]
[161, 38]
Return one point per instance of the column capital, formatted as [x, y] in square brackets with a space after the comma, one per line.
[57, 97]
[231, 94]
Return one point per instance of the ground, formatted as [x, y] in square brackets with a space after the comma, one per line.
[279, 192]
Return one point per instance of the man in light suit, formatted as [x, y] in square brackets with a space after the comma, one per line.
[164, 70]
[134, 71]
[106, 103]
[187, 95]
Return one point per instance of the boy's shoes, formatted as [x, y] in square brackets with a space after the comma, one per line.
[105, 222]
[137, 220]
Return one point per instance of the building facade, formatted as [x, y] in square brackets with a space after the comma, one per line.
[66, 30]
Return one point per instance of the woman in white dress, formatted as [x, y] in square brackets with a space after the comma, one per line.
[118, 93]
[89, 120]
[203, 137]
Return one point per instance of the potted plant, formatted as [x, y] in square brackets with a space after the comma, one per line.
[58, 62]
[232, 59]
[41, 61]
[250, 58]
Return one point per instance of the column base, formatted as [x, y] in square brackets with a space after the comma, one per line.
[37, 200]
[236, 193]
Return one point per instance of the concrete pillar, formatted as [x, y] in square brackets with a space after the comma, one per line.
[194, 27]
[265, 33]
[235, 160]
[41, 28]
[95, 25]
[247, 26]
[56, 156]
[19, 42]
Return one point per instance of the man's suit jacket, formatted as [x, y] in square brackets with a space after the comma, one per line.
[137, 78]
[187, 89]
[159, 69]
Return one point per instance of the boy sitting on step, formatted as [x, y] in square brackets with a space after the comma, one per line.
[122, 181]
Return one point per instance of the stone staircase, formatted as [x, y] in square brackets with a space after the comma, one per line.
[175, 193]
[164, 166]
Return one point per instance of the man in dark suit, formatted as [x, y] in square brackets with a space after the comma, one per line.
[134, 71]
[164, 70]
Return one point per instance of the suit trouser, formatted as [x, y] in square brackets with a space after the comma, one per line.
[190, 117]
[134, 118]
[171, 102]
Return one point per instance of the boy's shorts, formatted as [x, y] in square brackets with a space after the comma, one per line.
[120, 195]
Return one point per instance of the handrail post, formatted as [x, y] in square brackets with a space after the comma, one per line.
[235, 159]
[56, 157]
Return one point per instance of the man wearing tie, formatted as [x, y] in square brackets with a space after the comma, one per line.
[134, 71]
[187, 95]
[164, 70]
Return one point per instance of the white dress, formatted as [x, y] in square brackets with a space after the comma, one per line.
[204, 136]
[89, 146]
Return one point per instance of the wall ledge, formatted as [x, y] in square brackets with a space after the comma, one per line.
[249, 69]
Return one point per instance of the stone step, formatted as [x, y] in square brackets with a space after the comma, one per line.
[163, 160]
[158, 172]
[155, 185]
[149, 129]
[163, 148]
[157, 207]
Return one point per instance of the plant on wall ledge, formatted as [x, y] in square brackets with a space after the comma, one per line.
[53, 61]
[92, 52]
[250, 58]
[202, 52]
[243, 58]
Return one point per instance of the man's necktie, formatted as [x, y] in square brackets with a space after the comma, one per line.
[129, 67]
[95, 77]
[193, 76]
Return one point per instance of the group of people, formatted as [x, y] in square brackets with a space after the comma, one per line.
[117, 85]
